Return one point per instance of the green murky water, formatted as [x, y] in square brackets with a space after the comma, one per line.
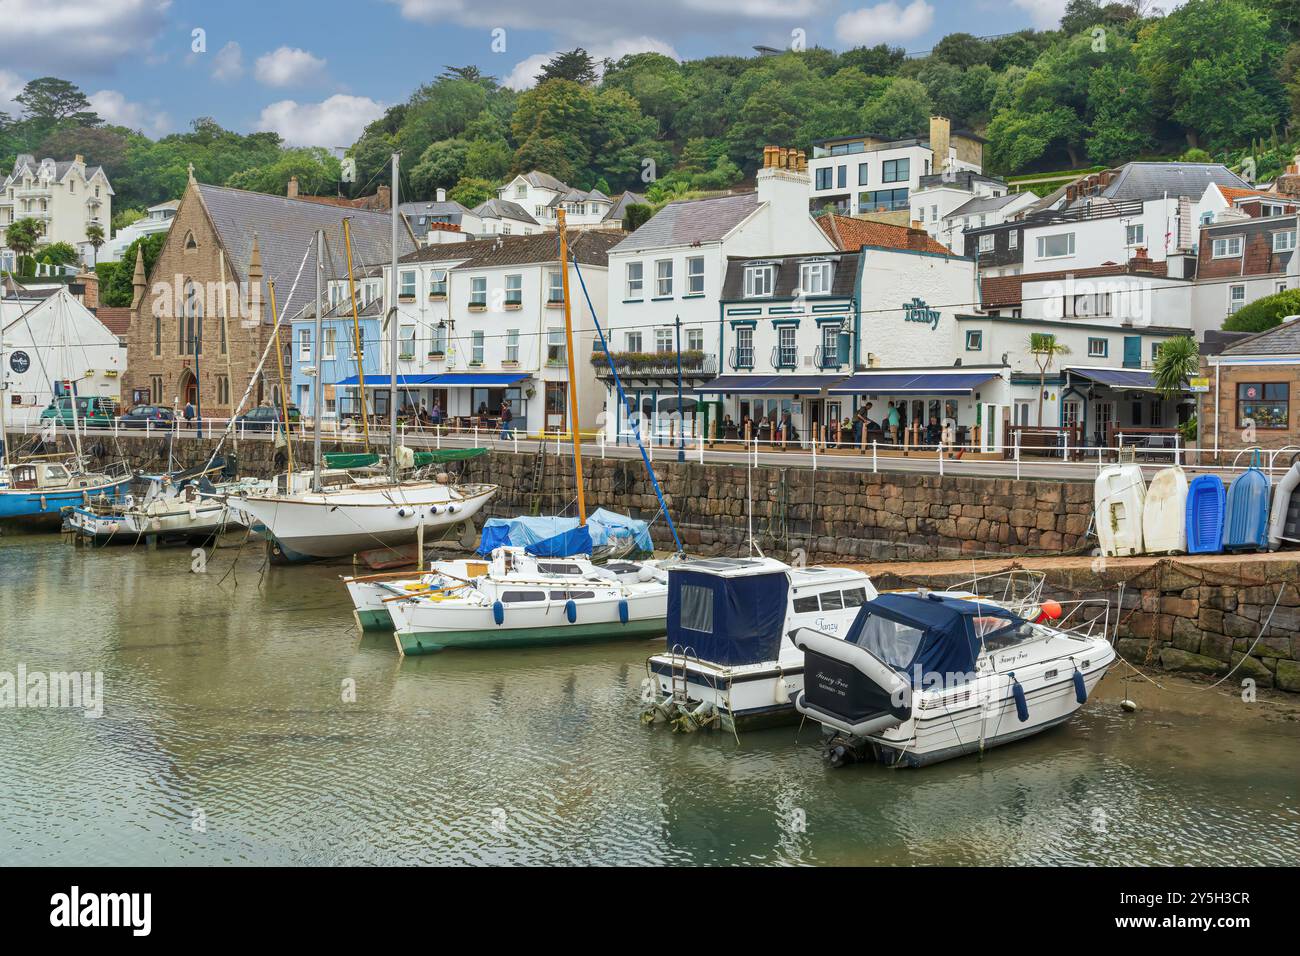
[226, 739]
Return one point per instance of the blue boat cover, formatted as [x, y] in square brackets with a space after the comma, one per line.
[727, 620]
[928, 639]
[558, 537]
[1205, 501]
[1245, 519]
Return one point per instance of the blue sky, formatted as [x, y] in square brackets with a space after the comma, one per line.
[317, 72]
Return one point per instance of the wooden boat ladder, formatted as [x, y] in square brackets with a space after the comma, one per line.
[539, 477]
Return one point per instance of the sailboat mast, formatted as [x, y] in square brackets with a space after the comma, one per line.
[72, 386]
[568, 352]
[317, 405]
[392, 335]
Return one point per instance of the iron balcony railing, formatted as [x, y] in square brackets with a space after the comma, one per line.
[741, 358]
[785, 356]
[828, 358]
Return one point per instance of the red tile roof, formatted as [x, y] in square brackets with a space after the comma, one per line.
[116, 320]
[851, 234]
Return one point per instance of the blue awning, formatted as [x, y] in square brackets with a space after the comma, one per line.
[912, 383]
[732, 383]
[1134, 378]
[479, 379]
[798, 383]
[380, 380]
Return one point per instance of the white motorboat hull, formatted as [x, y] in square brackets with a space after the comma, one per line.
[334, 524]
[196, 522]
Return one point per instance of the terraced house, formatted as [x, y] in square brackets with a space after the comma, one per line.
[66, 198]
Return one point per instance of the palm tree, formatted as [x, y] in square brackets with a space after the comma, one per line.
[22, 237]
[95, 236]
[1045, 349]
[1178, 360]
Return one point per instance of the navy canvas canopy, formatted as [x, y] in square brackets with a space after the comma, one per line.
[949, 644]
[727, 620]
[911, 383]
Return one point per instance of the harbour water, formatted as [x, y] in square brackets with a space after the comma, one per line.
[230, 735]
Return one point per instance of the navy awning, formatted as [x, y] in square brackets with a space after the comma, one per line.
[480, 379]
[732, 383]
[798, 383]
[380, 380]
[912, 383]
[1134, 378]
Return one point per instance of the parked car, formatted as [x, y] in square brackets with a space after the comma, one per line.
[93, 411]
[143, 416]
[265, 417]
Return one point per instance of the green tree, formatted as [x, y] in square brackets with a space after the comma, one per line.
[95, 236]
[1045, 350]
[58, 254]
[317, 170]
[441, 166]
[637, 215]
[472, 192]
[902, 110]
[23, 236]
[576, 66]
[1178, 360]
[53, 100]
[1264, 314]
[115, 278]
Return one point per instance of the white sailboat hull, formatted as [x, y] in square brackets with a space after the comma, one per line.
[333, 524]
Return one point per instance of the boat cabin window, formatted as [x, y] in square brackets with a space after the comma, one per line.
[697, 608]
[558, 568]
[574, 595]
[806, 605]
[515, 597]
[997, 633]
[855, 597]
[55, 472]
[894, 643]
[831, 601]
[23, 476]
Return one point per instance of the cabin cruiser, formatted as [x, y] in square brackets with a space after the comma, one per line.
[39, 490]
[727, 661]
[925, 676]
[516, 599]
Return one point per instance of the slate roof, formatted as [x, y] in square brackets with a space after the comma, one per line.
[621, 202]
[545, 181]
[1155, 180]
[503, 209]
[420, 214]
[844, 275]
[852, 234]
[1282, 340]
[589, 247]
[983, 204]
[285, 229]
[689, 221]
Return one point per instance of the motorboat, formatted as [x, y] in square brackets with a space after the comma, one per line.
[926, 676]
[521, 600]
[169, 511]
[726, 660]
[39, 490]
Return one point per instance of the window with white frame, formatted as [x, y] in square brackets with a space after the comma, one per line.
[554, 286]
[1284, 241]
[986, 242]
[406, 287]
[632, 341]
[438, 340]
[478, 292]
[1098, 347]
[515, 290]
[830, 346]
[1013, 239]
[476, 347]
[512, 345]
[1056, 246]
[635, 281]
[1134, 235]
[327, 342]
[663, 278]
[695, 275]
[744, 348]
[695, 340]
[759, 281]
[1227, 248]
[1236, 298]
[407, 347]
[304, 345]
[815, 278]
[438, 284]
[787, 349]
[664, 340]
[555, 352]
[974, 340]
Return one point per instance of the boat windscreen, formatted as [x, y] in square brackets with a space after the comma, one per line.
[893, 642]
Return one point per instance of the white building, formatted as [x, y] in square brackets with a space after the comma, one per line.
[673, 267]
[502, 217]
[50, 339]
[1241, 258]
[440, 219]
[867, 174]
[947, 204]
[480, 322]
[64, 197]
[157, 219]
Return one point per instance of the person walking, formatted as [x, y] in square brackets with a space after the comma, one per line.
[892, 422]
[507, 416]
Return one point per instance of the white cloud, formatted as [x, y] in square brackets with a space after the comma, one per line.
[117, 110]
[228, 64]
[525, 72]
[79, 34]
[1044, 14]
[886, 22]
[337, 121]
[10, 86]
[289, 66]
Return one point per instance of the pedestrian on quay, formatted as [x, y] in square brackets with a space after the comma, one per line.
[892, 422]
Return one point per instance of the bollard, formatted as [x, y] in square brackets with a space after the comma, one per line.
[940, 459]
[874, 462]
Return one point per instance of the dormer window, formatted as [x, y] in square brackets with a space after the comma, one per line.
[759, 281]
[815, 278]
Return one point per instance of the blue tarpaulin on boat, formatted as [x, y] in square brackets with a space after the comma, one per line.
[554, 536]
[526, 532]
[727, 620]
[607, 526]
[926, 638]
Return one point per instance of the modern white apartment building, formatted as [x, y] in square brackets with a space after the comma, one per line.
[64, 197]
[157, 219]
[947, 204]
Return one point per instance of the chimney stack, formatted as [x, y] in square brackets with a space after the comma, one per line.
[442, 195]
[292, 191]
[940, 140]
[385, 199]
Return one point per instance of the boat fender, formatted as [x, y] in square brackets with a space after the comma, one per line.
[435, 510]
[43, 504]
[570, 610]
[1022, 705]
[1080, 688]
[622, 611]
[498, 612]
[451, 509]
[402, 512]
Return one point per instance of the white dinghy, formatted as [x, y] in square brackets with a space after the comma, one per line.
[1164, 513]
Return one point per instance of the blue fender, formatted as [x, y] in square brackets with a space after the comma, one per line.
[1080, 688]
[622, 611]
[498, 612]
[570, 610]
[1022, 705]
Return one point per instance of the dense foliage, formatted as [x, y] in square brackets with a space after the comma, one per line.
[1118, 81]
[1263, 314]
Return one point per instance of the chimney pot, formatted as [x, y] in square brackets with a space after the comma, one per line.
[292, 191]
[442, 195]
